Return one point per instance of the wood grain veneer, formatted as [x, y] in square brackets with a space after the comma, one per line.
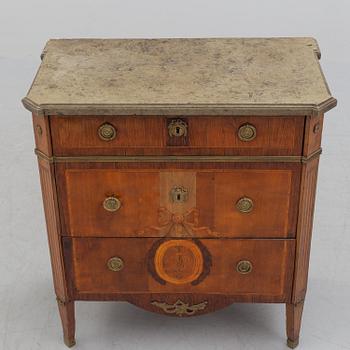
[272, 262]
[148, 135]
[212, 196]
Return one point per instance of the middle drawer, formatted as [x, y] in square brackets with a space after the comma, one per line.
[173, 200]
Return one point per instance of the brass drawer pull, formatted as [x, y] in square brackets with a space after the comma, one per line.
[244, 267]
[107, 132]
[247, 132]
[245, 205]
[115, 263]
[177, 128]
[112, 204]
[179, 194]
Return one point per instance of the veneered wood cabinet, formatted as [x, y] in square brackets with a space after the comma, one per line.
[180, 174]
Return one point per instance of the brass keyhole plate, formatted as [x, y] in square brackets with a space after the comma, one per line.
[179, 194]
[177, 128]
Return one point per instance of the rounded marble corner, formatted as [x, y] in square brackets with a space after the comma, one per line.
[312, 42]
[325, 106]
[32, 106]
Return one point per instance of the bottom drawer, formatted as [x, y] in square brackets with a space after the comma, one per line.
[250, 267]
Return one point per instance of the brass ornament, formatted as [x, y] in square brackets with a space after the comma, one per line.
[69, 342]
[292, 344]
[317, 128]
[177, 128]
[107, 132]
[39, 130]
[112, 204]
[244, 267]
[115, 264]
[247, 132]
[61, 301]
[245, 205]
[179, 194]
[180, 308]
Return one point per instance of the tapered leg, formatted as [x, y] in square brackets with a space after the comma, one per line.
[67, 314]
[294, 313]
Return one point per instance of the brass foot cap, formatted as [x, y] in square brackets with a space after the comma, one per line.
[69, 342]
[292, 343]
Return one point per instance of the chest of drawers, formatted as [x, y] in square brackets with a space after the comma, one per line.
[179, 174]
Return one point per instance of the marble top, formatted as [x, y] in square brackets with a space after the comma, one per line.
[224, 76]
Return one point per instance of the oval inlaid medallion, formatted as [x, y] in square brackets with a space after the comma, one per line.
[178, 261]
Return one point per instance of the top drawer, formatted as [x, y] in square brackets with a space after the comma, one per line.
[152, 135]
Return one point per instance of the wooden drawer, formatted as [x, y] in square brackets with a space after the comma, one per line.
[130, 265]
[203, 136]
[174, 200]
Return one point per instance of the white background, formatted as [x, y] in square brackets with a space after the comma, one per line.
[28, 315]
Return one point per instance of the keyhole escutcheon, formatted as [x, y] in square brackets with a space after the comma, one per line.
[179, 194]
[177, 128]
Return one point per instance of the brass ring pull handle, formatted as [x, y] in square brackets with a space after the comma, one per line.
[115, 263]
[247, 132]
[107, 132]
[112, 204]
[244, 267]
[177, 128]
[245, 205]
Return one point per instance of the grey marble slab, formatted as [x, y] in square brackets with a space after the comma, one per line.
[224, 76]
